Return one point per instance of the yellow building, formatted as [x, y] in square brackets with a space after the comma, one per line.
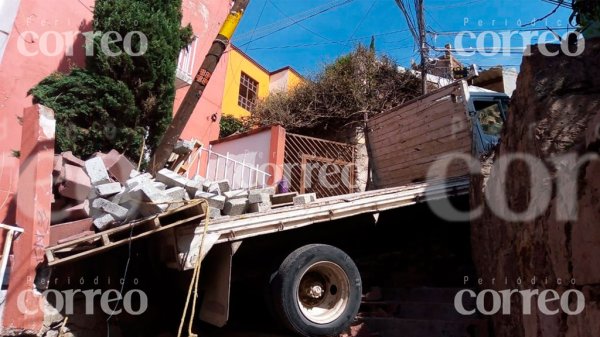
[247, 81]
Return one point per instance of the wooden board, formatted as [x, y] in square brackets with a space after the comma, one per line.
[112, 238]
[405, 142]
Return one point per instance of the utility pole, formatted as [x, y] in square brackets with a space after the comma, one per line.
[422, 44]
[173, 132]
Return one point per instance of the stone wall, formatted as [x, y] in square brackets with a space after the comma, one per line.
[554, 111]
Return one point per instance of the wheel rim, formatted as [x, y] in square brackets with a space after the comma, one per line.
[323, 292]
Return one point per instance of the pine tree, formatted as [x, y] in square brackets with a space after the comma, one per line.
[130, 96]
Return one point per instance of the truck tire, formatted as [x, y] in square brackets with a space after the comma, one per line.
[317, 291]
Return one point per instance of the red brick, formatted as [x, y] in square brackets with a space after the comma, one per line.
[69, 158]
[118, 166]
[69, 229]
[77, 184]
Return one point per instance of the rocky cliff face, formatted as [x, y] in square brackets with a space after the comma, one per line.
[554, 112]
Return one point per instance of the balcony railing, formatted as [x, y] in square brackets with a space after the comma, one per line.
[185, 65]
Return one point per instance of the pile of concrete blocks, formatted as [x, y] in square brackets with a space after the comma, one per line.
[106, 191]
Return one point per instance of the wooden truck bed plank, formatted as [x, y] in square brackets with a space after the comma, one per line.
[250, 225]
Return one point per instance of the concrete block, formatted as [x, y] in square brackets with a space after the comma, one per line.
[193, 186]
[235, 207]
[134, 173]
[204, 195]
[117, 198]
[159, 185]
[176, 194]
[118, 212]
[223, 185]
[68, 229]
[304, 199]
[102, 222]
[217, 201]
[259, 198]
[214, 213]
[77, 184]
[206, 185]
[267, 190]
[184, 147]
[235, 194]
[170, 178]
[70, 159]
[97, 172]
[109, 189]
[214, 188]
[283, 198]
[146, 200]
[138, 180]
[259, 207]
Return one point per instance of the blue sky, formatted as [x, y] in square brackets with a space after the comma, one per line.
[269, 34]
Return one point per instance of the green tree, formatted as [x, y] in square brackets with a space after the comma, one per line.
[334, 102]
[230, 125]
[130, 93]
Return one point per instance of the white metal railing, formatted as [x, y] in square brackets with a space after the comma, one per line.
[241, 175]
[185, 63]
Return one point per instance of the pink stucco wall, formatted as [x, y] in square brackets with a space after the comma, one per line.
[206, 17]
[19, 73]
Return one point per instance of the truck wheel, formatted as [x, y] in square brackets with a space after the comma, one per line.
[317, 291]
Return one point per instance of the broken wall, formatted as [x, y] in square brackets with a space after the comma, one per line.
[555, 111]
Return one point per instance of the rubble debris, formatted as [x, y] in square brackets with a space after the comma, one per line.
[106, 190]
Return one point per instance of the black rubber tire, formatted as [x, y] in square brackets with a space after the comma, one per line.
[286, 282]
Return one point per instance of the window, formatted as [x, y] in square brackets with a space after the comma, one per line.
[248, 92]
[490, 117]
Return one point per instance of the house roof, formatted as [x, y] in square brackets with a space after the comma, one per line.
[234, 47]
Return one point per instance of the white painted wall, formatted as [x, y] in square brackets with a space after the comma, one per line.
[279, 81]
[252, 150]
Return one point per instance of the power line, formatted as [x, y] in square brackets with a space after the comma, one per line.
[496, 31]
[299, 24]
[363, 19]
[331, 42]
[275, 28]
